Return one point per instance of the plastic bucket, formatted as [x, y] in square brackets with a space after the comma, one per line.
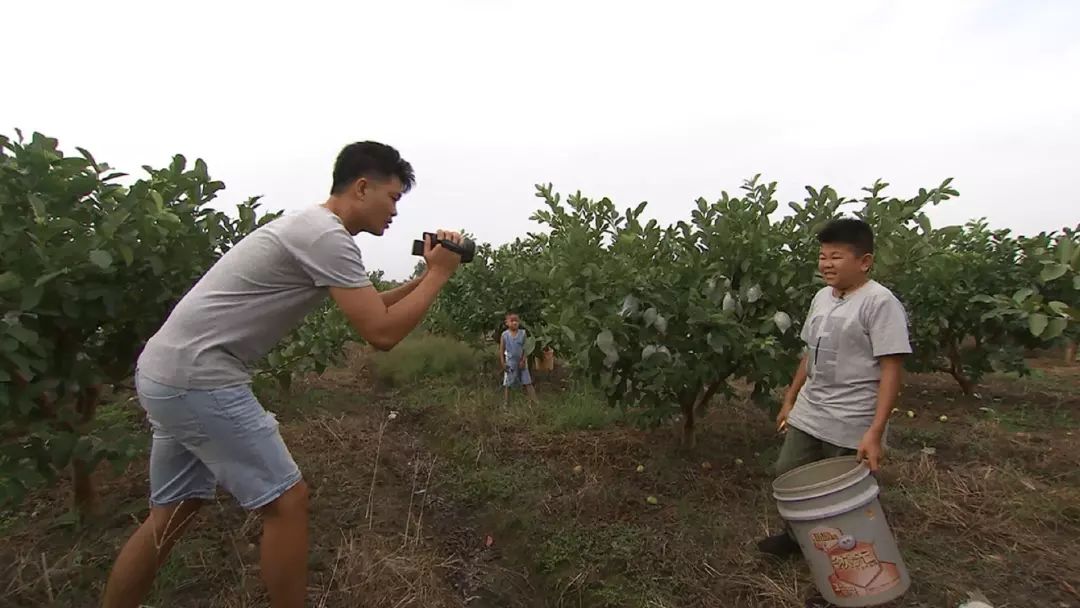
[833, 510]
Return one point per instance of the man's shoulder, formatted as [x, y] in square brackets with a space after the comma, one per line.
[314, 227]
[312, 219]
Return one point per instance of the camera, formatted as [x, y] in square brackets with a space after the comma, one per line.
[467, 248]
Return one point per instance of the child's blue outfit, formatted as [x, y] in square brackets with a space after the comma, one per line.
[514, 373]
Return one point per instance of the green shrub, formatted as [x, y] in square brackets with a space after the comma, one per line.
[426, 356]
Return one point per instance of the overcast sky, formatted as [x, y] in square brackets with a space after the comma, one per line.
[657, 101]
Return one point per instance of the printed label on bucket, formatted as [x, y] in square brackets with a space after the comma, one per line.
[857, 571]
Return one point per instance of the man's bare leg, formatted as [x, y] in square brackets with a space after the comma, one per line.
[147, 549]
[285, 548]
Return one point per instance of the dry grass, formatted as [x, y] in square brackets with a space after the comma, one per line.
[403, 509]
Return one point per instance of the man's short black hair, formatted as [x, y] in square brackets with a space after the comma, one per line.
[849, 231]
[370, 159]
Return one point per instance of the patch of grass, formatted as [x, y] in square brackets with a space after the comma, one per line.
[1027, 417]
[423, 357]
[581, 408]
[120, 416]
[915, 438]
[609, 546]
[475, 481]
[609, 561]
[307, 400]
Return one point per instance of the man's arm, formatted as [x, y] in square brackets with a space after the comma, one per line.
[892, 370]
[792, 393]
[384, 326]
[393, 296]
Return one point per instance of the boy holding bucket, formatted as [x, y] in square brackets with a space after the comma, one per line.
[856, 336]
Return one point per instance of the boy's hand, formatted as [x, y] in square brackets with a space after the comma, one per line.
[781, 418]
[521, 363]
[870, 449]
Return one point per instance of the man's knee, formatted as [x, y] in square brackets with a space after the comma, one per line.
[294, 502]
[170, 521]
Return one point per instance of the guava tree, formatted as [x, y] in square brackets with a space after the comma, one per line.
[91, 268]
[665, 318]
[498, 279]
[1045, 300]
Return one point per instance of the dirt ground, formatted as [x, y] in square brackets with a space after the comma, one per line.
[438, 496]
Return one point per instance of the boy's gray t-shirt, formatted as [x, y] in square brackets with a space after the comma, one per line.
[844, 337]
[254, 295]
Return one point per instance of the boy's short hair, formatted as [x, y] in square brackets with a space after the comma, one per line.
[849, 231]
[510, 313]
[370, 159]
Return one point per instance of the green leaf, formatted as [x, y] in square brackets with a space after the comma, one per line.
[126, 253]
[1058, 307]
[156, 197]
[31, 297]
[661, 324]
[983, 299]
[1076, 282]
[629, 306]
[924, 223]
[37, 205]
[605, 341]
[649, 317]
[1023, 294]
[101, 258]
[1055, 328]
[1037, 324]
[729, 303]
[22, 334]
[782, 320]
[1052, 272]
[48, 277]
[715, 342]
[9, 280]
[753, 294]
[1065, 250]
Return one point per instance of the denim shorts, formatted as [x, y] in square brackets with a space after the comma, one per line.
[206, 438]
[516, 376]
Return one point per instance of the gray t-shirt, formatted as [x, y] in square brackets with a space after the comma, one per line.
[844, 338]
[258, 292]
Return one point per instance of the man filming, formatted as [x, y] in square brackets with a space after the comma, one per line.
[192, 378]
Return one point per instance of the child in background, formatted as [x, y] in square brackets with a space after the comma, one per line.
[512, 358]
[856, 336]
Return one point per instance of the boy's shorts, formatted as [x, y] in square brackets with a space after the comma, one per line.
[802, 448]
[206, 438]
[516, 376]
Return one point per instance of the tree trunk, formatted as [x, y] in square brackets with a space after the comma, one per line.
[689, 440]
[703, 401]
[85, 494]
[957, 372]
[85, 499]
[1070, 352]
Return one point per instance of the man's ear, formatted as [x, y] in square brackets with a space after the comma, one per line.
[360, 187]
